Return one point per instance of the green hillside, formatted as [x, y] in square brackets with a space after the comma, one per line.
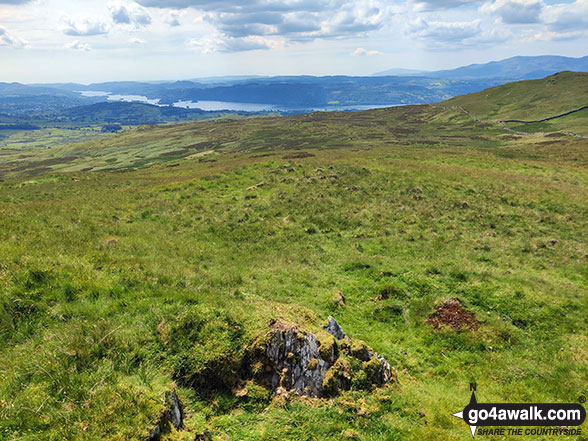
[165, 267]
[465, 116]
[528, 100]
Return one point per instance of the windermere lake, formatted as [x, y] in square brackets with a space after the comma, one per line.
[227, 105]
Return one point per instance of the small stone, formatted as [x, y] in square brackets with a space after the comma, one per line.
[176, 411]
[350, 434]
[174, 415]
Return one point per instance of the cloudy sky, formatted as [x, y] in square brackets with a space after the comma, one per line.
[95, 40]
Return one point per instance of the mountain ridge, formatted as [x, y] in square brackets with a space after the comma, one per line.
[516, 68]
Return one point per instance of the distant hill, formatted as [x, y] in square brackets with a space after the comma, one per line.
[528, 100]
[128, 113]
[298, 93]
[19, 99]
[400, 72]
[22, 90]
[516, 68]
[308, 92]
[295, 92]
[106, 113]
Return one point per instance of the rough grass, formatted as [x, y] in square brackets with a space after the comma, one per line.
[575, 122]
[117, 287]
[528, 100]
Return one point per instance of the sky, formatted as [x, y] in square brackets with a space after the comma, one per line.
[97, 41]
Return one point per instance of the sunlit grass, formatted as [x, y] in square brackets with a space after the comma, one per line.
[117, 287]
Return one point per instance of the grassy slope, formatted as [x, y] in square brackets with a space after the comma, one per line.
[528, 100]
[575, 123]
[434, 125]
[15, 141]
[105, 278]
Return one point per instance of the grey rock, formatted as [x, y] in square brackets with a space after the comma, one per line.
[174, 415]
[385, 369]
[294, 360]
[176, 411]
[297, 362]
[333, 328]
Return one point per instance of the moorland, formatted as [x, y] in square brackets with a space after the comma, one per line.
[151, 260]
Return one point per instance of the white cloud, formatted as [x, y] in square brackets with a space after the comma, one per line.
[138, 41]
[221, 43]
[129, 13]
[355, 18]
[560, 22]
[84, 27]
[77, 45]
[568, 16]
[515, 11]
[433, 5]
[553, 36]
[173, 18]
[444, 32]
[455, 35]
[361, 52]
[295, 20]
[7, 39]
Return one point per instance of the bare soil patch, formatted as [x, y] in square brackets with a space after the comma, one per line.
[452, 314]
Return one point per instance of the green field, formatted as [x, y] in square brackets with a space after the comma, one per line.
[158, 269]
[16, 140]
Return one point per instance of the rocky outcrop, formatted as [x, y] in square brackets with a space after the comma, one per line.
[297, 361]
[293, 360]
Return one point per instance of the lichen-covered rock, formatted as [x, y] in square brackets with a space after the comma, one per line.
[338, 377]
[296, 360]
[176, 412]
[290, 359]
[333, 328]
[359, 350]
[385, 372]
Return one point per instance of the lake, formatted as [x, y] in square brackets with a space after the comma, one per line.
[233, 106]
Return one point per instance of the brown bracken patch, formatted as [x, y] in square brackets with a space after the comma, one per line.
[452, 314]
